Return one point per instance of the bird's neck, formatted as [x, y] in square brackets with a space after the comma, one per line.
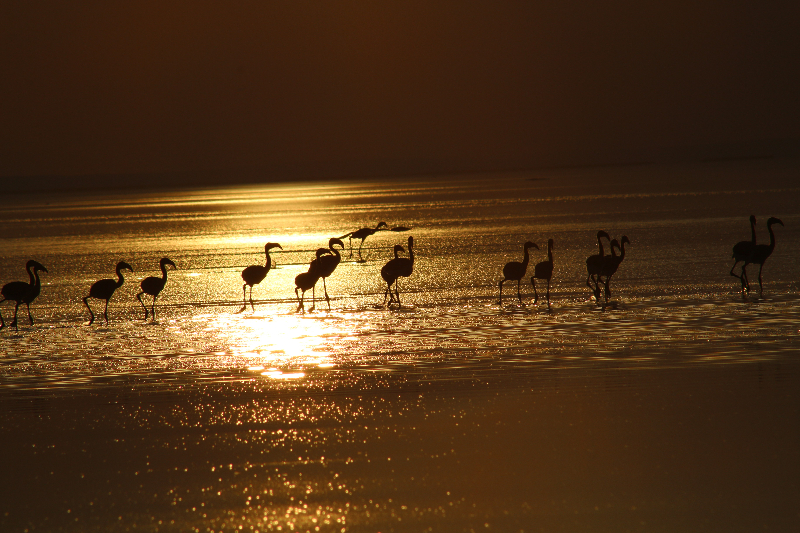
[268, 263]
[35, 278]
[753, 232]
[120, 279]
[600, 243]
[771, 237]
[164, 272]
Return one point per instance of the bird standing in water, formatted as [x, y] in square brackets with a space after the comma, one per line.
[543, 270]
[594, 266]
[742, 251]
[23, 293]
[761, 252]
[362, 234]
[515, 270]
[255, 274]
[390, 272]
[611, 263]
[327, 263]
[153, 286]
[308, 280]
[104, 290]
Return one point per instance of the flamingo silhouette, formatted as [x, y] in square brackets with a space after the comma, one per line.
[761, 252]
[390, 272]
[327, 264]
[308, 280]
[514, 270]
[153, 286]
[362, 234]
[543, 270]
[104, 290]
[255, 274]
[23, 293]
[611, 263]
[594, 265]
[742, 251]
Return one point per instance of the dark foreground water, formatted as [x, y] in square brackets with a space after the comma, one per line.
[676, 407]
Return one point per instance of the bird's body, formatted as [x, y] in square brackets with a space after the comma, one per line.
[543, 270]
[23, 293]
[255, 274]
[594, 266]
[390, 272]
[742, 251]
[104, 290]
[362, 234]
[153, 286]
[327, 263]
[308, 280]
[515, 270]
[761, 252]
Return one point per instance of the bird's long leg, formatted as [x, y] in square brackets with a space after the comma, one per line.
[299, 300]
[139, 297]
[385, 294]
[535, 294]
[589, 280]
[105, 312]
[244, 297]
[501, 292]
[30, 316]
[351, 247]
[359, 251]
[519, 294]
[397, 292]
[743, 277]
[739, 275]
[91, 315]
[313, 297]
[760, 286]
[548, 293]
[153, 308]
[251, 300]
[14, 323]
[327, 298]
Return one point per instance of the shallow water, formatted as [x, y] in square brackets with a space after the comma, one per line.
[648, 413]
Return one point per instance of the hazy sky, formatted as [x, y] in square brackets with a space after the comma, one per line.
[378, 87]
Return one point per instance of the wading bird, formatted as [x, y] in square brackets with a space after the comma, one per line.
[611, 262]
[308, 280]
[362, 234]
[514, 271]
[153, 286]
[390, 272]
[255, 274]
[742, 251]
[104, 290]
[23, 293]
[594, 265]
[543, 270]
[405, 267]
[327, 263]
[761, 252]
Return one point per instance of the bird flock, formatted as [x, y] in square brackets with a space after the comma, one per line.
[600, 268]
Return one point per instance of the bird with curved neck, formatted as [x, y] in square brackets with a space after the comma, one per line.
[611, 262]
[515, 270]
[104, 290]
[390, 272]
[327, 263]
[403, 267]
[255, 274]
[742, 251]
[308, 280]
[594, 265]
[362, 234]
[153, 286]
[761, 252]
[23, 293]
[543, 270]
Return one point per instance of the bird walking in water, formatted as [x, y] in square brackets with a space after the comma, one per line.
[742, 251]
[104, 290]
[362, 234]
[515, 270]
[153, 286]
[594, 266]
[543, 270]
[390, 272]
[23, 293]
[611, 263]
[327, 263]
[761, 252]
[255, 274]
[308, 280]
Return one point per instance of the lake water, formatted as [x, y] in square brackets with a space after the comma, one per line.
[674, 408]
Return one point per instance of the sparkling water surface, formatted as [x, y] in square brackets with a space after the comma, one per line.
[674, 405]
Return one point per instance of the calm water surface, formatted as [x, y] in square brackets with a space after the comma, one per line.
[675, 407]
